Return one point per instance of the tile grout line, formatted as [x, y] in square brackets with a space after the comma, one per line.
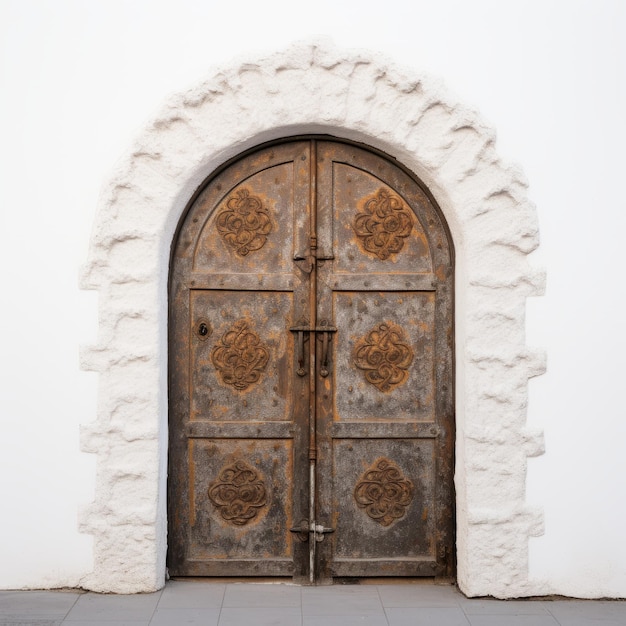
[382, 605]
[554, 617]
[465, 615]
[78, 597]
[156, 606]
[219, 615]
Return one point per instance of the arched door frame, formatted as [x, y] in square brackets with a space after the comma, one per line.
[315, 89]
[413, 277]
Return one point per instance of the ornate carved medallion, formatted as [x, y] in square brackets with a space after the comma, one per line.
[383, 224]
[384, 492]
[244, 223]
[384, 356]
[238, 493]
[240, 356]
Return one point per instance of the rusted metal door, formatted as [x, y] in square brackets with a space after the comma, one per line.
[311, 387]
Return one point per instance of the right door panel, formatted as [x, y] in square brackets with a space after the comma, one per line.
[385, 412]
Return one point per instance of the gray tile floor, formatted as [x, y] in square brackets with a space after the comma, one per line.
[233, 604]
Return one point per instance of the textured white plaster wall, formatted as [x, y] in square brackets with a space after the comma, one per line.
[79, 78]
[362, 97]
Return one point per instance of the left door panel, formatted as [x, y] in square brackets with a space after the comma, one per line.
[238, 415]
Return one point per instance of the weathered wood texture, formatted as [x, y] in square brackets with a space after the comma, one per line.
[311, 329]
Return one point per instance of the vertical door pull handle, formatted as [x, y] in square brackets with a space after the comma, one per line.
[325, 342]
[301, 337]
[303, 331]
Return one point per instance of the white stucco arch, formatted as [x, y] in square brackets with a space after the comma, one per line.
[314, 88]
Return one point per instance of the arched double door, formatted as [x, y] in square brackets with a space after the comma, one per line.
[311, 371]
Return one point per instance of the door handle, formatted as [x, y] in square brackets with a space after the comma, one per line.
[325, 352]
[301, 339]
[303, 330]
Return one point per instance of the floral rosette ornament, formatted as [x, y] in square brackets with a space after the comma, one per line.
[383, 224]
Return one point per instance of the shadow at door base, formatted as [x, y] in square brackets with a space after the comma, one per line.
[423, 581]
[389, 580]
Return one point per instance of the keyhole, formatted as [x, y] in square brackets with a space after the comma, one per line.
[204, 330]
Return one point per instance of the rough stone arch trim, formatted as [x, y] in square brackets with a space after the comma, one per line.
[315, 88]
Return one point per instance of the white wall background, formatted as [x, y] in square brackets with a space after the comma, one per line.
[79, 77]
